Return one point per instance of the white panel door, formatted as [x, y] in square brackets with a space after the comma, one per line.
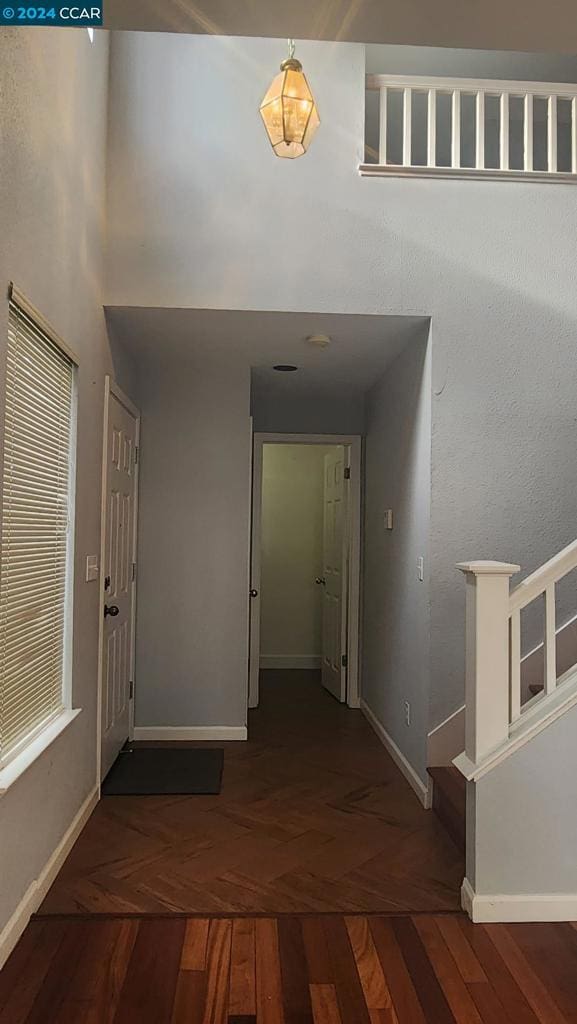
[119, 590]
[334, 578]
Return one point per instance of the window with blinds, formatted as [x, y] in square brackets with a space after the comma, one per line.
[36, 532]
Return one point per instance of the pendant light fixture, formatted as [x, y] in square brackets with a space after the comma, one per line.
[288, 110]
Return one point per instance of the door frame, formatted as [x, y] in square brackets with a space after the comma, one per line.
[354, 444]
[112, 388]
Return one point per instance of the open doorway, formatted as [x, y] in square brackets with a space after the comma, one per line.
[305, 560]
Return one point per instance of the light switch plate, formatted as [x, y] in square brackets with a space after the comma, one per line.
[91, 568]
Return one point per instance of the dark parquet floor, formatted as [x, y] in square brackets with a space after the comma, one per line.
[313, 816]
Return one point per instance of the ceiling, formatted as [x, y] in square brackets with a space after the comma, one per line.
[361, 348]
[477, 24]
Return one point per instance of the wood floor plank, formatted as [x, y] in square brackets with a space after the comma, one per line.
[190, 998]
[193, 957]
[430, 994]
[460, 949]
[217, 972]
[50, 996]
[148, 992]
[242, 998]
[501, 979]
[553, 962]
[325, 1004]
[534, 990]
[375, 988]
[404, 996]
[447, 972]
[24, 973]
[320, 969]
[269, 1006]
[93, 988]
[347, 982]
[294, 972]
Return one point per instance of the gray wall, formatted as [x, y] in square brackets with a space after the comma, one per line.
[519, 809]
[396, 613]
[203, 214]
[274, 410]
[52, 124]
[191, 641]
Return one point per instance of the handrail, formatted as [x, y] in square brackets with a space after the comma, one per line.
[490, 86]
[494, 705]
[537, 582]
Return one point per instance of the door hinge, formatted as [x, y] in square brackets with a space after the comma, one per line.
[347, 472]
[344, 660]
[131, 694]
[133, 571]
[135, 454]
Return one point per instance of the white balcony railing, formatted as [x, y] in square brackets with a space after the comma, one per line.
[479, 128]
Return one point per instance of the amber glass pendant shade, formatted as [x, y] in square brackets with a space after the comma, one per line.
[289, 111]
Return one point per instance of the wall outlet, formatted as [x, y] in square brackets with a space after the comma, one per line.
[407, 713]
[420, 568]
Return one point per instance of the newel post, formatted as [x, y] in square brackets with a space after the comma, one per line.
[487, 656]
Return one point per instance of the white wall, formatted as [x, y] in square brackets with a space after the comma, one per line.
[191, 638]
[274, 410]
[52, 124]
[203, 214]
[292, 553]
[396, 604]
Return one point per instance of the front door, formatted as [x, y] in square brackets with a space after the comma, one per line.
[119, 573]
[334, 578]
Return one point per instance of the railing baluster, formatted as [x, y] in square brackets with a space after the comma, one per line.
[504, 132]
[383, 96]
[528, 132]
[552, 134]
[456, 129]
[407, 126]
[550, 652]
[515, 649]
[432, 128]
[480, 131]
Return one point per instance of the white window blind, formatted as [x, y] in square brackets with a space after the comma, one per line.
[36, 545]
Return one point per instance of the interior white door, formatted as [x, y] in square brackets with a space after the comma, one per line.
[334, 578]
[119, 585]
[254, 582]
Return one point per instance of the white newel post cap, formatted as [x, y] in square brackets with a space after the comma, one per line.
[489, 568]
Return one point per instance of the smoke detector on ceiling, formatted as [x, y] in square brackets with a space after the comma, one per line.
[319, 340]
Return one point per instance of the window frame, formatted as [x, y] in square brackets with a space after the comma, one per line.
[43, 734]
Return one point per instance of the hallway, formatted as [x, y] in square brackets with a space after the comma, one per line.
[313, 816]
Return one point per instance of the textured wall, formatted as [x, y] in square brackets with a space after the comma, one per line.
[191, 638]
[292, 550]
[202, 214]
[52, 126]
[396, 626]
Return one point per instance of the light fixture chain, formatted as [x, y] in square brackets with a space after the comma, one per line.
[291, 48]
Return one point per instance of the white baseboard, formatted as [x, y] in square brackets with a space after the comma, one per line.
[447, 740]
[289, 661]
[39, 887]
[190, 732]
[538, 906]
[424, 792]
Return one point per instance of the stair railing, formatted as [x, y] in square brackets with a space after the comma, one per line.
[559, 101]
[493, 699]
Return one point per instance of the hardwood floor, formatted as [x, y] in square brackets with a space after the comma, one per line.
[313, 816]
[422, 969]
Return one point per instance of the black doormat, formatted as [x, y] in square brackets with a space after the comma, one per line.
[152, 771]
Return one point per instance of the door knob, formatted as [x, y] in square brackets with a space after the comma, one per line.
[253, 593]
[321, 581]
[111, 609]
